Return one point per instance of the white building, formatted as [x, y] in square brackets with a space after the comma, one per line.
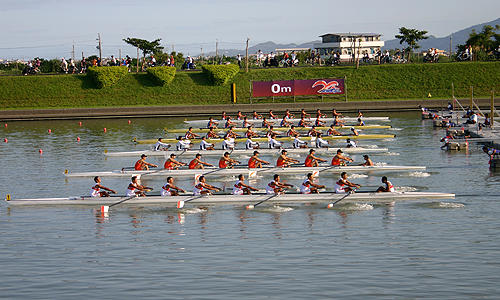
[348, 43]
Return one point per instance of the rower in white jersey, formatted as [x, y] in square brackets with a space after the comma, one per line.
[388, 188]
[309, 187]
[169, 189]
[160, 146]
[276, 187]
[96, 189]
[345, 186]
[135, 189]
[241, 188]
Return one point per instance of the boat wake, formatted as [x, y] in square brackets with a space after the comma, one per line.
[401, 189]
[442, 205]
[356, 176]
[415, 174]
[353, 206]
[396, 129]
[388, 154]
[276, 209]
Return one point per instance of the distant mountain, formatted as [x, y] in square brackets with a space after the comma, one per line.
[459, 37]
[266, 47]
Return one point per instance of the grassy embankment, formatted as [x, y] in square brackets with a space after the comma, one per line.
[385, 82]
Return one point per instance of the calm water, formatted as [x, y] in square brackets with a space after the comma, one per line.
[435, 249]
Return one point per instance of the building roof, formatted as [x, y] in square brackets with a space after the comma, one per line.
[353, 34]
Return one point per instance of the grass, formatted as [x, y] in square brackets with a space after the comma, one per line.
[371, 82]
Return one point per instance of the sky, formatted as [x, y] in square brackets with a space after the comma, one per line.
[50, 28]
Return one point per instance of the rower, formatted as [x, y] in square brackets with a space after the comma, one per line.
[229, 123]
[169, 189]
[250, 132]
[255, 162]
[388, 188]
[285, 161]
[212, 123]
[211, 134]
[190, 135]
[251, 144]
[273, 143]
[96, 189]
[141, 164]
[313, 132]
[332, 131]
[245, 123]
[308, 186]
[319, 114]
[491, 152]
[135, 189]
[183, 144]
[351, 144]
[289, 114]
[340, 160]
[231, 134]
[204, 145]
[276, 187]
[319, 123]
[160, 146]
[272, 116]
[202, 188]
[266, 123]
[304, 114]
[240, 116]
[271, 131]
[223, 117]
[446, 140]
[345, 186]
[292, 131]
[338, 122]
[298, 143]
[241, 188]
[256, 116]
[285, 122]
[360, 122]
[368, 162]
[354, 132]
[321, 143]
[303, 122]
[228, 143]
[171, 163]
[226, 162]
[450, 106]
[311, 160]
[196, 163]
[360, 115]
[336, 114]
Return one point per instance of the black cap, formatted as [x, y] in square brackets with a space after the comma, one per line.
[144, 155]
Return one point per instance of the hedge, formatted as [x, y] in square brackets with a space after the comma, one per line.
[220, 74]
[161, 75]
[106, 76]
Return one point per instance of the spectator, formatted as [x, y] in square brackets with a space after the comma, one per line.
[64, 65]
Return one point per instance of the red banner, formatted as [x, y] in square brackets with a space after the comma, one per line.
[298, 87]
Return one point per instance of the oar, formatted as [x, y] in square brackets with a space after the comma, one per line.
[268, 198]
[332, 204]
[105, 208]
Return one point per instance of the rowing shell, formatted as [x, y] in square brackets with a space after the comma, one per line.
[205, 130]
[285, 138]
[235, 152]
[252, 172]
[296, 121]
[370, 197]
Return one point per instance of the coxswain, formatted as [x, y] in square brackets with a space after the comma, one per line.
[298, 143]
[172, 164]
[360, 122]
[272, 116]
[251, 144]
[351, 144]
[332, 131]
[256, 116]
[292, 131]
[255, 161]
[212, 123]
[266, 123]
[190, 135]
[303, 114]
[160, 146]
[388, 188]
[240, 116]
[228, 143]
[308, 186]
[211, 134]
[169, 189]
[276, 187]
[241, 188]
[273, 143]
[271, 131]
[320, 142]
[285, 161]
[196, 163]
[354, 132]
[226, 162]
[303, 122]
[202, 188]
[229, 123]
[96, 189]
[311, 160]
[313, 131]
[368, 162]
[183, 144]
[340, 160]
[135, 189]
[141, 164]
[345, 186]
[204, 145]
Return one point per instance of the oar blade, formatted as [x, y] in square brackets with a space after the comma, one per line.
[249, 207]
[180, 204]
[104, 208]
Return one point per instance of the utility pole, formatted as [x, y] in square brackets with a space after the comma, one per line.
[173, 49]
[246, 56]
[73, 52]
[137, 70]
[100, 51]
[216, 48]
[120, 54]
[201, 52]
[450, 44]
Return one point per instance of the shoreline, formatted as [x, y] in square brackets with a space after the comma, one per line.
[215, 110]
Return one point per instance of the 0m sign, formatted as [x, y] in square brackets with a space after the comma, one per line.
[298, 87]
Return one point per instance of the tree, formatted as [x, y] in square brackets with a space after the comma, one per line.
[411, 37]
[485, 41]
[146, 46]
